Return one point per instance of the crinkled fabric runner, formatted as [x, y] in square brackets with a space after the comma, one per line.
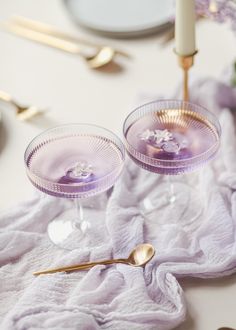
[119, 296]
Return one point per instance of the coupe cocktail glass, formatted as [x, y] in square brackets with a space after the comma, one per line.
[76, 161]
[172, 137]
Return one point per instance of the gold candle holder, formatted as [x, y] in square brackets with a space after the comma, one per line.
[186, 62]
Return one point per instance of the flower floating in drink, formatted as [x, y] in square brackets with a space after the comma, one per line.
[75, 161]
[163, 140]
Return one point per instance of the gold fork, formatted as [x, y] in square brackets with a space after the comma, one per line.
[22, 112]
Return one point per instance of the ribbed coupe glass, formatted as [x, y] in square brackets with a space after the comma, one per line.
[171, 137]
[75, 161]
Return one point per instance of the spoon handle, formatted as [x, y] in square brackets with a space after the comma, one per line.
[49, 30]
[5, 96]
[48, 40]
[82, 266]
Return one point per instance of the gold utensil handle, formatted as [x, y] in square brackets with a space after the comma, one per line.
[50, 41]
[49, 30]
[82, 266]
[5, 96]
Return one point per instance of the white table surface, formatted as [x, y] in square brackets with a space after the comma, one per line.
[37, 75]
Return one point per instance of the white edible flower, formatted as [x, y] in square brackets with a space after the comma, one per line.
[147, 135]
[162, 136]
[82, 170]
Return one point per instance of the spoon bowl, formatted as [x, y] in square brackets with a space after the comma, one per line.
[102, 57]
[22, 112]
[141, 255]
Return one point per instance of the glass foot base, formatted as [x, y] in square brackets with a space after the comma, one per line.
[65, 232]
[179, 204]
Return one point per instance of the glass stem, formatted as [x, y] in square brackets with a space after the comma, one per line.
[80, 222]
[79, 210]
[171, 196]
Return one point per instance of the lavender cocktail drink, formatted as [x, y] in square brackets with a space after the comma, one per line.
[171, 137]
[75, 161]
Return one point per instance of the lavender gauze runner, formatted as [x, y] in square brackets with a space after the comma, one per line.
[121, 297]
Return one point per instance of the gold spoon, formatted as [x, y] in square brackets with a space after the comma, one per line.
[22, 112]
[137, 258]
[100, 57]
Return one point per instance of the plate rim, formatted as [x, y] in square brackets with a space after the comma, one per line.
[152, 27]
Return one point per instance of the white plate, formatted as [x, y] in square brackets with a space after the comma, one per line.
[122, 17]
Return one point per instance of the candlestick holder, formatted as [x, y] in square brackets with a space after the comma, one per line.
[186, 62]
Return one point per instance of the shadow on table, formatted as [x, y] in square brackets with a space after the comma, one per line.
[111, 68]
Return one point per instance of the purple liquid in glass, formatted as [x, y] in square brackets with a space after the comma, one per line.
[74, 166]
[171, 141]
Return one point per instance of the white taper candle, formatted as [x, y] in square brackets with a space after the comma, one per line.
[185, 27]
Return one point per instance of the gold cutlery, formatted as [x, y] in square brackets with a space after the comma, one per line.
[137, 258]
[51, 30]
[38, 32]
[22, 112]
